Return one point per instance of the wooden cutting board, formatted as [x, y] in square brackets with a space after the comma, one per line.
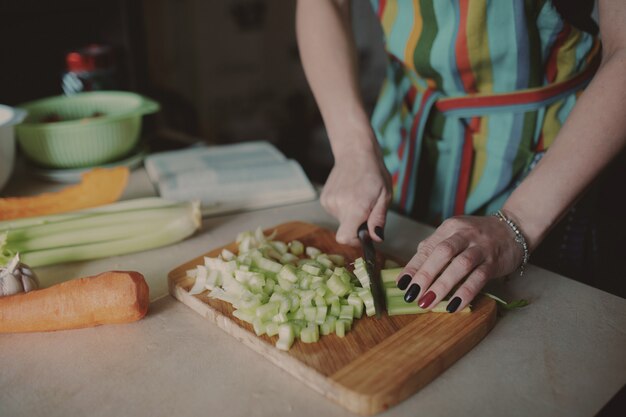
[378, 363]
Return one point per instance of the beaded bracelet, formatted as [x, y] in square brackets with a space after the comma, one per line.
[519, 237]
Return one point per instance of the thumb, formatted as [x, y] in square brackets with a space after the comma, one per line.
[347, 231]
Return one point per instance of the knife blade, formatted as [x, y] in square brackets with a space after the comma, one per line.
[369, 255]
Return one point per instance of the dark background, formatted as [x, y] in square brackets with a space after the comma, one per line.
[228, 71]
[223, 70]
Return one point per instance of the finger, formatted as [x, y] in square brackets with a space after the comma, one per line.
[460, 267]
[328, 200]
[470, 288]
[347, 231]
[424, 249]
[434, 264]
[377, 218]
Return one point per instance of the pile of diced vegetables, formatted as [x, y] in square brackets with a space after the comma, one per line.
[297, 291]
[287, 289]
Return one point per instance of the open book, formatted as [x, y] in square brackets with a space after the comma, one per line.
[227, 178]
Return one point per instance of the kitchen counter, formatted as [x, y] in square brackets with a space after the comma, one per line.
[565, 354]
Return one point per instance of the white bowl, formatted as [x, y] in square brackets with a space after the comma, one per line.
[9, 117]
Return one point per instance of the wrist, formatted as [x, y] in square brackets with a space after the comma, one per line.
[518, 235]
[351, 140]
[532, 228]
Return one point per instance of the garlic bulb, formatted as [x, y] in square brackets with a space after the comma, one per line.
[17, 277]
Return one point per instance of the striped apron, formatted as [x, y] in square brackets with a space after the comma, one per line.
[475, 92]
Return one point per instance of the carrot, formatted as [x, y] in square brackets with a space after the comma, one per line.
[97, 187]
[107, 298]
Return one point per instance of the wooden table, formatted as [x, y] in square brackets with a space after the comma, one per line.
[565, 354]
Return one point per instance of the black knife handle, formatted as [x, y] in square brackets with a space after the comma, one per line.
[367, 245]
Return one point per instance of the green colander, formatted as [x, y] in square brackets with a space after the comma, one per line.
[84, 129]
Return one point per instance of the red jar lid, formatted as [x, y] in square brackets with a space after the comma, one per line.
[90, 58]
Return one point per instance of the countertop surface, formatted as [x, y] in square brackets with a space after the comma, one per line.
[564, 354]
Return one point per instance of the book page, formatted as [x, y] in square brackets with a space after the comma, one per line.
[230, 178]
[164, 164]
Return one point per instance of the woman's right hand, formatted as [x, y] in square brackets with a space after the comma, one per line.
[359, 186]
[358, 189]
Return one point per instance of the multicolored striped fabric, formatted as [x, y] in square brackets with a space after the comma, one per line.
[476, 91]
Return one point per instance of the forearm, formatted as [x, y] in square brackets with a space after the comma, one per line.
[592, 136]
[328, 56]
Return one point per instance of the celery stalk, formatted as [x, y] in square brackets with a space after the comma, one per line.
[104, 220]
[125, 205]
[167, 234]
[101, 234]
[388, 276]
[396, 306]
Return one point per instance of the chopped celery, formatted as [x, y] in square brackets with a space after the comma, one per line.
[227, 255]
[288, 272]
[305, 282]
[346, 312]
[293, 291]
[271, 329]
[288, 258]
[360, 271]
[312, 252]
[321, 290]
[310, 334]
[357, 303]
[285, 336]
[328, 326]
[260, 327]
[338, 260]
[267, 311]
[343, 273]
[280, 318]
[311, 269]
[270, 252]
[281, 247]
[265, 263]
[329, 298]
[309, 313]
[284, 284]
[296, 247]
[340, 328]
[337, 286]
[325, 260]
[244, 315]
[320, 314]
[269, 286]
[201, 275]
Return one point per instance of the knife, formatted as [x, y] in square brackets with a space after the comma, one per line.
[369, 254]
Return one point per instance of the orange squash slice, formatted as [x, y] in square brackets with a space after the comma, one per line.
[97, 187]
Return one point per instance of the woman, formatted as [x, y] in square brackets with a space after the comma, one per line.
[482, 111]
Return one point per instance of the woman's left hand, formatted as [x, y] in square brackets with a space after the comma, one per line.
[465, 250]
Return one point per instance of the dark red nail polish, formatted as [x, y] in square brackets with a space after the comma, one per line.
[427, 299]
[379, 232]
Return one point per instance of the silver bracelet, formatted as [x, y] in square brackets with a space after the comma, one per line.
[519, 237]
